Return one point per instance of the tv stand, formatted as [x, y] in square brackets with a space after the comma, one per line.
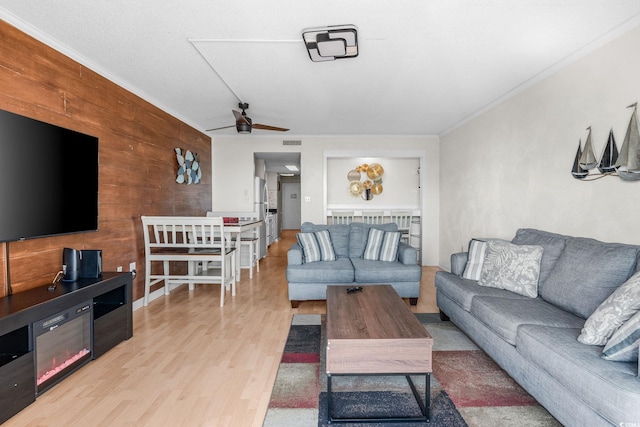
[112, 322]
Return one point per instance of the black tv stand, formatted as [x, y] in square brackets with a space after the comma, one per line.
[112, 322]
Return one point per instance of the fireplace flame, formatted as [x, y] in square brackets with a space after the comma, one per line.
[57, 368]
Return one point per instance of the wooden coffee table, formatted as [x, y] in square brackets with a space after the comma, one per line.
[373, 332]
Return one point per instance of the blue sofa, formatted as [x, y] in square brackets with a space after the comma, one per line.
[535, 339]
[308, 281]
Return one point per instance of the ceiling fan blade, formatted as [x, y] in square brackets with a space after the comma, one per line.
[268, 127]
[223, 127]
[240, 118]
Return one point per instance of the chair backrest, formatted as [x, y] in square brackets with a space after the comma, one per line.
[373, 217]
[185, 232]
[403, 219]
[341, 217]
[242, 216]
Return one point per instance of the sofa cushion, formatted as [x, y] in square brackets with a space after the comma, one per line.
[339, 236]
[514, 268]
[462, 291]
[382, 245]
[619, 307]
[580, 369]
[587, 272]
[505, 315]
[359, 233]
[553, 245]
[338, 271]
[385, 272]
[623, 344]
[475, 259]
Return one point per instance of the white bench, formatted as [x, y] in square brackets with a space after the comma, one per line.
[197, 241]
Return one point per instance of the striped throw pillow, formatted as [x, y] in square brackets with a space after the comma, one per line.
[316, 246]
[326, 246]
[624, 343]
[477, 250]
[382, 245]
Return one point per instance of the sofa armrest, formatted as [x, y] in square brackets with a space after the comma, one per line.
[459, 262]
[294, 255]
[407, 255]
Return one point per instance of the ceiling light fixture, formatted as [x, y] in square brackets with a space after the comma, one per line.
[330, 43]
[293, 168]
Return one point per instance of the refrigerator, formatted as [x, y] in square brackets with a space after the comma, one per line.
[260, 198]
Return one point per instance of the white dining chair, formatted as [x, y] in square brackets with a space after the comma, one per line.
[403, 219]
[249, 251]
[342, 217]
[373, 217]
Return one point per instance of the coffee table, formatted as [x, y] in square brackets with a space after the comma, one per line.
[373, 332]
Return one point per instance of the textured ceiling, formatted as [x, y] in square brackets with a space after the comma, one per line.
[423, 66]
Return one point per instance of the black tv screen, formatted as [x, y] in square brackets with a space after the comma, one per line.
[48, 179]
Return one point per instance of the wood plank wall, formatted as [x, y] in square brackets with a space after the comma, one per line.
[137, 163]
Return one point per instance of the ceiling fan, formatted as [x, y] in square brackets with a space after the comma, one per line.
[244, 123]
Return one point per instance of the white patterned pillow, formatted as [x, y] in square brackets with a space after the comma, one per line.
[382, 245]
[475, 259]
[623, 303]
[623, 344]
[515, 268]
[316, 246]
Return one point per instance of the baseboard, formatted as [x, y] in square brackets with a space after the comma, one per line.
[139, 303]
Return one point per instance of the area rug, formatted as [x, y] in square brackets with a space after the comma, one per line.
[467, 387]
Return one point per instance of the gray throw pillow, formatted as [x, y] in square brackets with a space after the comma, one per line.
[623, 344]
[515, 268]
[619, 307]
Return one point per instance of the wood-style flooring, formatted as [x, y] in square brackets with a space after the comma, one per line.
[190, 362]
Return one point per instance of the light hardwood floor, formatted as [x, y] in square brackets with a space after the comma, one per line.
[190, 362]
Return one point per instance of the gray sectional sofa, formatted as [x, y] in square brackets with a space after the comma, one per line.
[535, 338]
[309, 280]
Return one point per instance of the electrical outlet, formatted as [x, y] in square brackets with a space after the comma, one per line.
[119, 269]
[132, 269]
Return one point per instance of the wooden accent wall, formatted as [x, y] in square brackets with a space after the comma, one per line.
[137, 163]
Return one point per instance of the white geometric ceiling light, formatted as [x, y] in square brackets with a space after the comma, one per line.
[330, 43]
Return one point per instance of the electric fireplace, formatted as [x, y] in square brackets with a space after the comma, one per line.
[63, 344]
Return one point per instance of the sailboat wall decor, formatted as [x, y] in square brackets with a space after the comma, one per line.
[577, 170]
[588, 159]
[609, 155]
[628, 164]
[624, 164]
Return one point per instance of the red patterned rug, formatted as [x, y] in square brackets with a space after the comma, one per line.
[471, 378]
[467, 387]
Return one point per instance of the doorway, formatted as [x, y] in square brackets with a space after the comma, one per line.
[291, 207]
[282, 173]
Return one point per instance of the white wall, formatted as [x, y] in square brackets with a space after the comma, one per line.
[400, 183]
[233, 167]
[510, 167]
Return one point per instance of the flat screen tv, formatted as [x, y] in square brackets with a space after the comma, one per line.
[48, 179]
